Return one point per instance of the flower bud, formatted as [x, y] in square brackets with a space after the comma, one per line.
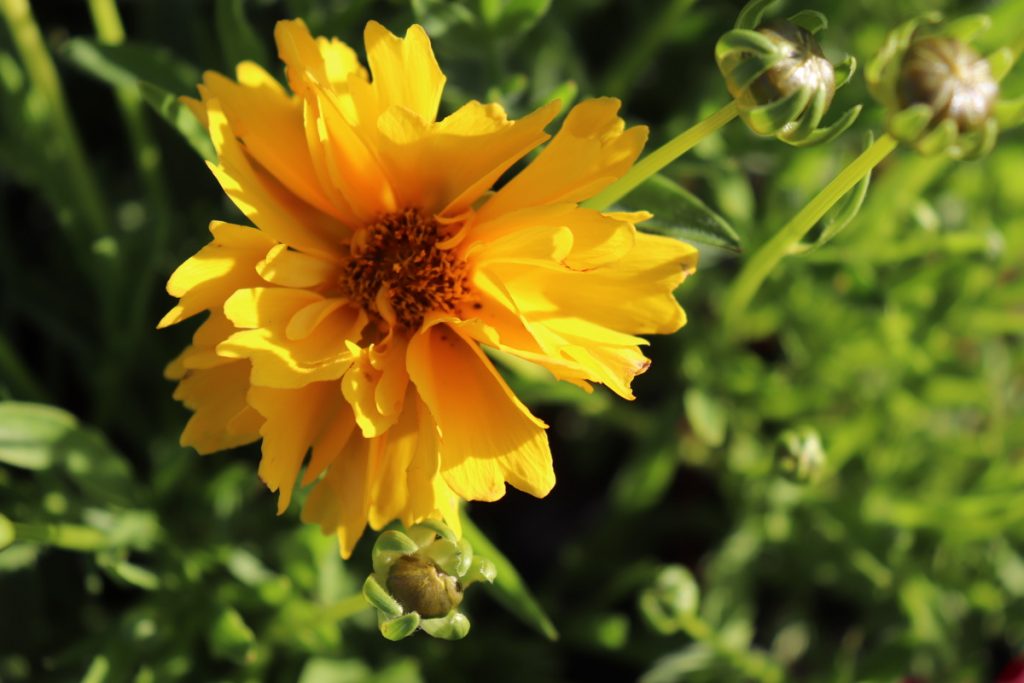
[419, 585]
[799, 455]
[780, 79]
[951, 78]
[941, 95]
[418, 581]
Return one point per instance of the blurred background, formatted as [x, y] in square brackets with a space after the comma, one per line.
[677, 545]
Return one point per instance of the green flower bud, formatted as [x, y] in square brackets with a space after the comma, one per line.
[799, 455]
[941, 95]
[951, 78]
[780, 79]
[418, 581]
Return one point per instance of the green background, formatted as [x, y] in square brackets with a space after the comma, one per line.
[898, 344]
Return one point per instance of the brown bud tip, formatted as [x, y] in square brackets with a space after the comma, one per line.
[951, 78]
[804, 66]
[420, 586]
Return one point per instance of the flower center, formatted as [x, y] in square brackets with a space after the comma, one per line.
[398, 272]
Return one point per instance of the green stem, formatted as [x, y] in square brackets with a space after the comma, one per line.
[345, 608]
[661, 157]
[761, 264]
[28, 41]
[66, 536]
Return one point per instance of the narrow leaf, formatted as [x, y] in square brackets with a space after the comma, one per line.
[181, 119]
[680, 214]
[130, 63]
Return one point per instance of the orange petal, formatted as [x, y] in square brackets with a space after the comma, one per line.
[590, 152]
[487, 435]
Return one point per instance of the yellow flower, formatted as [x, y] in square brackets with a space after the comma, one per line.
[350, 321]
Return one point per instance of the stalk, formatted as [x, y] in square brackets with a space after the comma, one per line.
[661, 157]
[761, 264]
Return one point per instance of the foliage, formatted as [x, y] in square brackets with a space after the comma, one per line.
[675, 546]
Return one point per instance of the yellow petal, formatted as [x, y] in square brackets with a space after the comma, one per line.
[339, 502]
[634, 295]
[487, 435]
[404, 70]
[217, 397]
[474, 146]
[539, 245]
[591, 150]
[323, 61]
[264, 200]
[349, 159]
[332, 440]
[596, 239]
[400, 446]
[270, 123]
[201, 354]
[208, 278]
[282, 362]
[375, 386]
[289, 268]
[294, 418]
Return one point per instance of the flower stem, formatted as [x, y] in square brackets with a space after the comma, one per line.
[760, 265]
[661, 157]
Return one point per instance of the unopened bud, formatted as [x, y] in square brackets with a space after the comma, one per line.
[951, 78]
[941, 95]
[418, 581]
[419, 585]
[780, 79]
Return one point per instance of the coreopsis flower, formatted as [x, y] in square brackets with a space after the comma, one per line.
[350, 323]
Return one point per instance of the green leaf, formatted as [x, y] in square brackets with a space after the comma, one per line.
[131, 63]
[35, 436]
[439, 17]
[680, 214]
[28, 432]
[230, 637]
[181, 119]
[707, 417]
[7, 532]
[238, 40]
[508, 588]
[510, 19]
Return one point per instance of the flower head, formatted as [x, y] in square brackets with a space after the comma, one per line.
[941, 95]
[350, 322]
[780, 79]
